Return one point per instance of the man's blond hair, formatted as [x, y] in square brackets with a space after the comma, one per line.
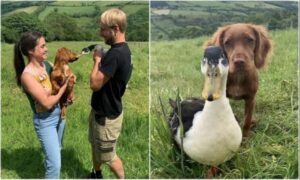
[114, 17]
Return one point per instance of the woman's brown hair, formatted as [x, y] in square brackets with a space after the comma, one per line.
[27, 42]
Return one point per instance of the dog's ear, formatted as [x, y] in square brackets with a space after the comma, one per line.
[61, 55]
[263, 46]
[217, 38]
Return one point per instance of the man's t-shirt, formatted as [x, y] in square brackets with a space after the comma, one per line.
[116, 65]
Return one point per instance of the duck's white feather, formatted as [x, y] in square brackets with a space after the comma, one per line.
[215, 135]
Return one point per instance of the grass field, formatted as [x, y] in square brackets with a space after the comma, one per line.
[68, 10]
[28, 10]
[272, 149]
[21, 153]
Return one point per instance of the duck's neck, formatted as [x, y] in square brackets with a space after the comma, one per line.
[223, 86]
[223, 101]
[218, 104]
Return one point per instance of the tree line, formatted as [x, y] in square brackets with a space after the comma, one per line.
[64, 27]
[205, 26]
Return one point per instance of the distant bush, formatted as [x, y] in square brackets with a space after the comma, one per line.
[62, 27]
[9, 35]
[138, 26]
[13, 26]
[275, 19]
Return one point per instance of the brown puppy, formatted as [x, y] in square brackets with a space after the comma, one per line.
[59, 75]
[246, 47]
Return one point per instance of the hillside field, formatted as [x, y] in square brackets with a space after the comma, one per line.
[171, 20]
[272, 149]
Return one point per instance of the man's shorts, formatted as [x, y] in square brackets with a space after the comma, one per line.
[103, 135]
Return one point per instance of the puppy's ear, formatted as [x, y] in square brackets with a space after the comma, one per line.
[263, 46]
[217, 38]
[61, 55]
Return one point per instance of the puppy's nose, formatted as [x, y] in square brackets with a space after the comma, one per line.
[239, 62]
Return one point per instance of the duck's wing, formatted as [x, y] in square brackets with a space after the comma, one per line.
[189, 107]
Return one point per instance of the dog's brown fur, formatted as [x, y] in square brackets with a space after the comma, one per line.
[61, 71]
[246, 47]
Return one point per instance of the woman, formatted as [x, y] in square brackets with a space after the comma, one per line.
[35, 81]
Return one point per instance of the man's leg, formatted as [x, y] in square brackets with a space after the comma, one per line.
[116, 166]
[103, 138]
[96, 164]
[96, 172]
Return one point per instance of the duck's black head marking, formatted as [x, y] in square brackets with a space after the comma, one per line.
[213, 55]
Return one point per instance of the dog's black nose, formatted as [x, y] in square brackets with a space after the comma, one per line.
[239, 63]
[210, 97]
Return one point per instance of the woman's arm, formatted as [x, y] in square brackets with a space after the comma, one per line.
[38, 93]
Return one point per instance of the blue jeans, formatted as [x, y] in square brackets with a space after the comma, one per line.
[49, 128]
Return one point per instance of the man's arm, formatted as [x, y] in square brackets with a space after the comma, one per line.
[97, 78]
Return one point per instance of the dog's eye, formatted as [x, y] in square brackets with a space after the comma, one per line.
[249, 40]
[228, 44]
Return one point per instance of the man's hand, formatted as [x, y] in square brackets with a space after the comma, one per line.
[98, 54]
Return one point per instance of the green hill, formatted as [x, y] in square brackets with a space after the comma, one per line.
[79, 16]
[70, 7]
[189, 19]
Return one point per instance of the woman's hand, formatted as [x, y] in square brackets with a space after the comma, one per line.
[70, 100]
[36, 90]
[64, 86]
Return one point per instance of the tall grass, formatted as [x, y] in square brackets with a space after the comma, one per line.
[21, 153]
[270, 152]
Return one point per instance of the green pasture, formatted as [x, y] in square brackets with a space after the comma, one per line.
[194, 9]
[83, 7]
[209, 15]
[21, 153]
[190, 12]
[87, 22]
[68, 10]
[28, 10]
[221, 4]
[272, 149]
[72, 3]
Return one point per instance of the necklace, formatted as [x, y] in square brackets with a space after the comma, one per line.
[40, 72]
[42, 76]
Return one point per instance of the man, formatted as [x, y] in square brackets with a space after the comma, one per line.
[108, 79]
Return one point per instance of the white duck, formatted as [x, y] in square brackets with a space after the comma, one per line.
[211, 132]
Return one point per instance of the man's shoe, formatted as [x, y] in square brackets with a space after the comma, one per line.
[95, 175]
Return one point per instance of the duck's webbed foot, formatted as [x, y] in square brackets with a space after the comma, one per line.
[212, 171]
